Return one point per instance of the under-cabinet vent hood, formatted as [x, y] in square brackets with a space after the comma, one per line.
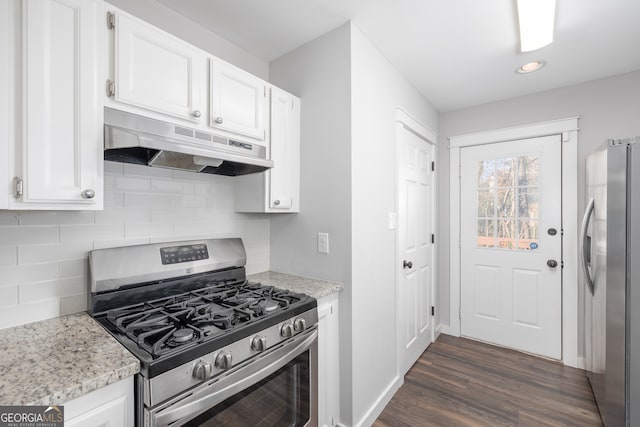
[131, 138]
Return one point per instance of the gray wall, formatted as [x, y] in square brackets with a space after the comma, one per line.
[319, 73]
[377, 88]
[608, 108]
[172, 22]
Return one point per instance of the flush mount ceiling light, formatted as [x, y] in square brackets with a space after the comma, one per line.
[536, 19]
[530, 67]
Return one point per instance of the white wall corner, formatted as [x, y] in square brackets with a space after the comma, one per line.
[380, 403]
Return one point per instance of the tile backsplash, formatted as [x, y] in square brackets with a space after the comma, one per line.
[43, 255]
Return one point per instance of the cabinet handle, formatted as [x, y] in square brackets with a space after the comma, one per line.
[196, 113]
[88, 194]
[219, 120]
[276, 202]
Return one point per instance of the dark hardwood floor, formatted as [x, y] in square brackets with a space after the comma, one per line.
[460, 382]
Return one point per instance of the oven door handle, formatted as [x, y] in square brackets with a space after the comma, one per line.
[235, 382]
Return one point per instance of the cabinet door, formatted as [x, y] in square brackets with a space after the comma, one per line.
[157, 71]
[237, 100]
[284, 178]
[59, 159]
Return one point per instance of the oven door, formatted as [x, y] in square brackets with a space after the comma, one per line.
[277, 388]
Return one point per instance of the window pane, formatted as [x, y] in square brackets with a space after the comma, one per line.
[528, 203]
[486, 205]
[486, 173]
[504, 172]
[528, 234]
[528, 170]
[505, 207]
[506, 234]
[486, 237]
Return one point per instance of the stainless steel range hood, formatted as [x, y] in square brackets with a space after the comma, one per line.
[131, 138]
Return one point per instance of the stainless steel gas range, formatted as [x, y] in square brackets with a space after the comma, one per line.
[214, 349]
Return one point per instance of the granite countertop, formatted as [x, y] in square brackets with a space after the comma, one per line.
[313, 287]
[56, 360]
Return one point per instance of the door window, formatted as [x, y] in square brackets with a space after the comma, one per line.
[507, 202]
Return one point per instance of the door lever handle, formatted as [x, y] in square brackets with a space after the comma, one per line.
[407, 264]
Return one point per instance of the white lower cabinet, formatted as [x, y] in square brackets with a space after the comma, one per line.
[110, 406]
[54, 148]
[328, 361]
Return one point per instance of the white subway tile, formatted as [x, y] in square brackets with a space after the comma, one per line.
[27, 313]
[146, 171]
[74, 268]
[56, 218]
[28, 273]
[113, 199]
[30, 292]
[116, 243]
[131, 183]
[201, 189]
[8, 296]
[191, 202]
[64, 251]
[113, 168]
[8, 255]
[123, 215]
[171, 187]
[9, 218]
[194, 176]
[73, 303]
[134, 200]
[21, 235]
[134, 231]
[75, 233]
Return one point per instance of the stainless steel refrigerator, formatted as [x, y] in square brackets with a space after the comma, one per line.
[610, 258]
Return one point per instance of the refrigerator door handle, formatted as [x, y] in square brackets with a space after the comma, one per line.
[585, 243]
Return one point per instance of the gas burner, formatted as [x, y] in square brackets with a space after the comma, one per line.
[182, 335]
[269, 305]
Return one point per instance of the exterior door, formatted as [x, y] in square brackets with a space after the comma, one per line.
[511, 242]
[415, 228]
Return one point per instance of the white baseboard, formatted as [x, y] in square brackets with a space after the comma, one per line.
[445, 329]
[580, 364]
[381, 402]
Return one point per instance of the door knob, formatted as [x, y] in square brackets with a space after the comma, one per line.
[407, 264]
[552, 263]
[219, 120]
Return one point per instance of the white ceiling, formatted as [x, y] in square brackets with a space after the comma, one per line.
[457, 53]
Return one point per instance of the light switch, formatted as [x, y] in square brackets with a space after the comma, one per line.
[392, 221]
[323, 243]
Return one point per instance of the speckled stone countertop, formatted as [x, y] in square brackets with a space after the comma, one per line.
[313, 287]
[56, 360]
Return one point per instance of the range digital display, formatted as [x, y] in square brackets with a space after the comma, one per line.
[188, 253]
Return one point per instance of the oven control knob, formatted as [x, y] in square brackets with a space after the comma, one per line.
[223, 360]
[202, 371]
[286, 330]
[259, 343]
[299, 325]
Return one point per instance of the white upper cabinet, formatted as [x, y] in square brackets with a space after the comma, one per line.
[55, 158]
[237, 101]
[278, 189]
[284, 178]
[156, 71]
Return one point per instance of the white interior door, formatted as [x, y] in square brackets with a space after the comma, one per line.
[511, 243]
[415, 228]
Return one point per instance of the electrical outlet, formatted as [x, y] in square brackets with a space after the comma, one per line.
[323, 243]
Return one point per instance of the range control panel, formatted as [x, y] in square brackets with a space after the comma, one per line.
[178, 254]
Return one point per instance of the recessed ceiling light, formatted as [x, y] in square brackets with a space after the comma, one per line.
[530, 67]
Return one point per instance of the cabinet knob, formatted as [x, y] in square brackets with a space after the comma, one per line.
[88, 194]
[219, 120]
[196, 113]
[276, 202]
